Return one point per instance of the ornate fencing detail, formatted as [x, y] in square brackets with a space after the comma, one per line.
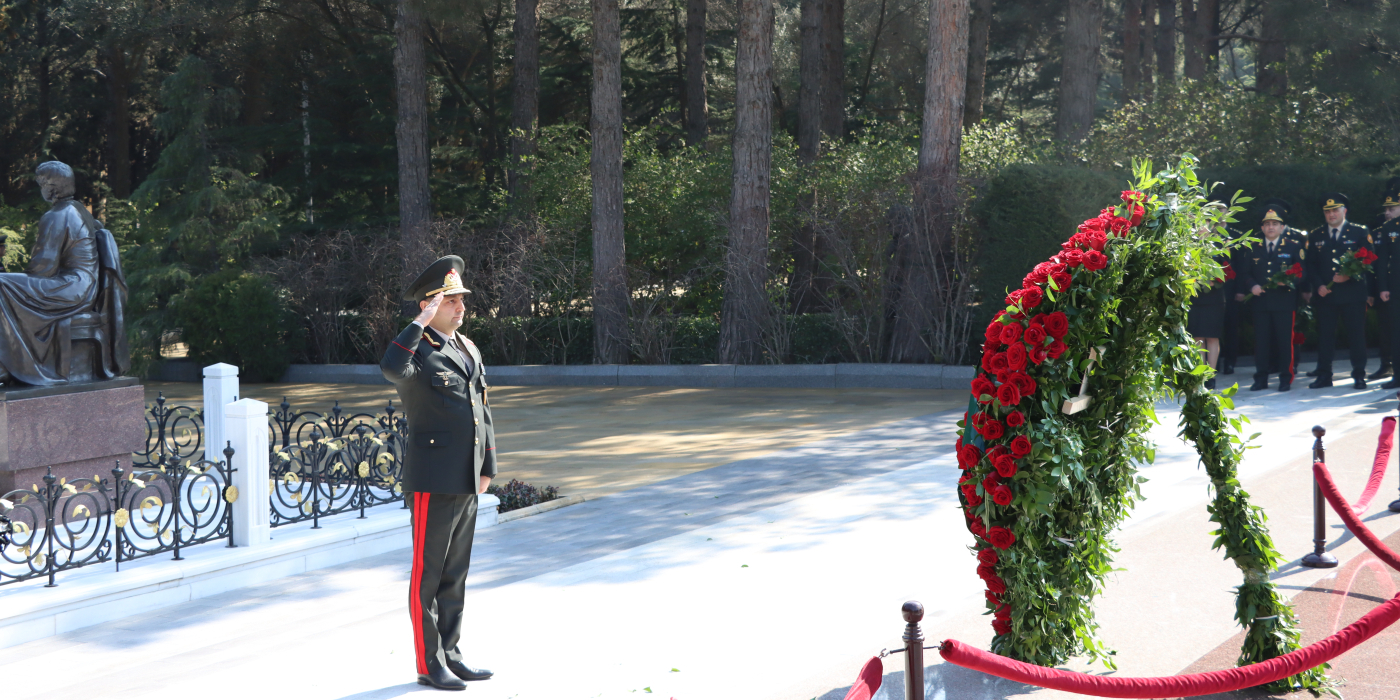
[171, 432]
[66, 524]
[323, 465]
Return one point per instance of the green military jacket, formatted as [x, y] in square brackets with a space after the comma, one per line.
[451, 441]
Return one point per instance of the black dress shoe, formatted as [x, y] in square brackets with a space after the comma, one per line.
[1392, 384]
[1359, 383]
[1312, 373]
[467, 673]
[1259, 386]
[1227, 369]
[1284, 385]
[442, 679]
[1381, 373]
[1320, 384]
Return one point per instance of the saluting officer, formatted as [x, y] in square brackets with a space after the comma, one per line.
[1347, 299]
[1273, 306]
[450, 459]
[1387, 237]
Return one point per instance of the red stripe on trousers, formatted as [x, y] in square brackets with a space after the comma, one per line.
[415, 600]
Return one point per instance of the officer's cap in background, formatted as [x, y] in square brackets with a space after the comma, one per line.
[1278, 210]
[1336, 200]
[1391, 198]
[441, 277]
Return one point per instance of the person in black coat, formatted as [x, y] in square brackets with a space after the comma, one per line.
[1387, 238]
[450, 459]
[1347, 299]
[1272, 306]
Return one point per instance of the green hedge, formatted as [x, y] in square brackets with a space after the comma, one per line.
[1303, 186]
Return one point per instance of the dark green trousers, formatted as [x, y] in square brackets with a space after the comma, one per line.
[443, 525]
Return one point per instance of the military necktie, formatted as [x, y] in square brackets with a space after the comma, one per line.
[1336, 234]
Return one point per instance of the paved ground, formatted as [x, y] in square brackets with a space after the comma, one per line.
[773, 576]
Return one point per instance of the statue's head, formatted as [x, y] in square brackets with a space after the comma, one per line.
[55, 180]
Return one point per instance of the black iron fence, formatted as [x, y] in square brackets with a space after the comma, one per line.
[70, 523]
[171, 432]
[322, 465]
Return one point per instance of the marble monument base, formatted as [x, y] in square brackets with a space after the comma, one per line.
[78, 430]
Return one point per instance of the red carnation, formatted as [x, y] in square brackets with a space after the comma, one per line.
[987, 556]
[1005, 466]
[1009, 396]
[1061, 280]
[1095, 261]
[1016, 419]
[1001, 627]
[969, 456]
[1011, 333]
[1057, 325]
[1034, 335]
[977, 527]
[995, 584]
[1001, 496]
[1056, 349]
[1016, 357]
[1023, 382]
[993, 430]
[1021, 446]
[1001, 538]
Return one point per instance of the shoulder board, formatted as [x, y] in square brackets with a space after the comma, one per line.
[431, 341]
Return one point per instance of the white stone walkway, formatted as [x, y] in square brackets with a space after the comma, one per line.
[771, 578]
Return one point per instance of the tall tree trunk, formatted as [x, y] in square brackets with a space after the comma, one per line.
[1272, 52]
[978, 34]
[1079, 79]
[1148, 47]
[747, 313]
[1166, 42]
[809, 91]
[833, 92]
[525, 102]
[610, 344]
[1193, 61]
[940, 142]
[491, 138]
[697, 106]
[1132, 48]
[119, 77]
[415, 199]
[44, 78]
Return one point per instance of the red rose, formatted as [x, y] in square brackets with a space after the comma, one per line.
[1133, 196]
[1016, 357]
[1016, 419]
[1229, 271]
[998, 363]
[977, 527]
[996, 585]
[1023, 382]
[1056, 349]
[979, 419]
[1008, 395]
[1003, 612]
[1001, 538]
[987, 360]
[969, 490]
[1095, 261]
[1038, 355]
[994, 331]
[1061, 281]
[1034, 335]
[1096, 240]
[1031, 298]
[1057, 325]
[987, 556]
[981, 386]
[986, 570]
[1119, 226]
[1036, 277]
[974, 500]
[1299, 338]
[1021, 446]
[1011, 333]
[992, 598]
[969, 456]
[1072, 257]
[1001, 496]
[1006, 468]
[1096, 224]
[1001, 627]
[993, 430]
[1296, 270]
[1135, 214]
[990, 482]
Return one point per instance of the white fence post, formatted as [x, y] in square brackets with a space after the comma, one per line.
[246, 425]
[220, 389]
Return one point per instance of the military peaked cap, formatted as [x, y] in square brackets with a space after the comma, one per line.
[441, 277]
[1336, 200]
[1278, 210]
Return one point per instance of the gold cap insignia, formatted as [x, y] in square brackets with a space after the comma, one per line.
[451, 284]
[1272, 215]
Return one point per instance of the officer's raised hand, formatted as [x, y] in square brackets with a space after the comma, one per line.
[430, 311]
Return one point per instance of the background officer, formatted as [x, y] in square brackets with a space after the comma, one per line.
[450, 458]
[1387, 238]
[1346, 300]
[1272, 306]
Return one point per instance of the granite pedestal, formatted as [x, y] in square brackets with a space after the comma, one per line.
[79, 430]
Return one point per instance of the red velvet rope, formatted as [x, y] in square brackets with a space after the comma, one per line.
[1383, 445]
[1353, 523]
[868, 681]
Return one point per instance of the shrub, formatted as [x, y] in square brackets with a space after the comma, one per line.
[1303, 186]
[239, 318]
[517, 494]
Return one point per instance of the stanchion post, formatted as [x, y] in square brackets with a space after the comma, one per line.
[1395, 504]
[913, 651]
[1319, 559]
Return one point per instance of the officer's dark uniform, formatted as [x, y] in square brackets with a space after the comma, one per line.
[1346, 301]
[1387, 239]
[451, 444]
[1274, 311]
